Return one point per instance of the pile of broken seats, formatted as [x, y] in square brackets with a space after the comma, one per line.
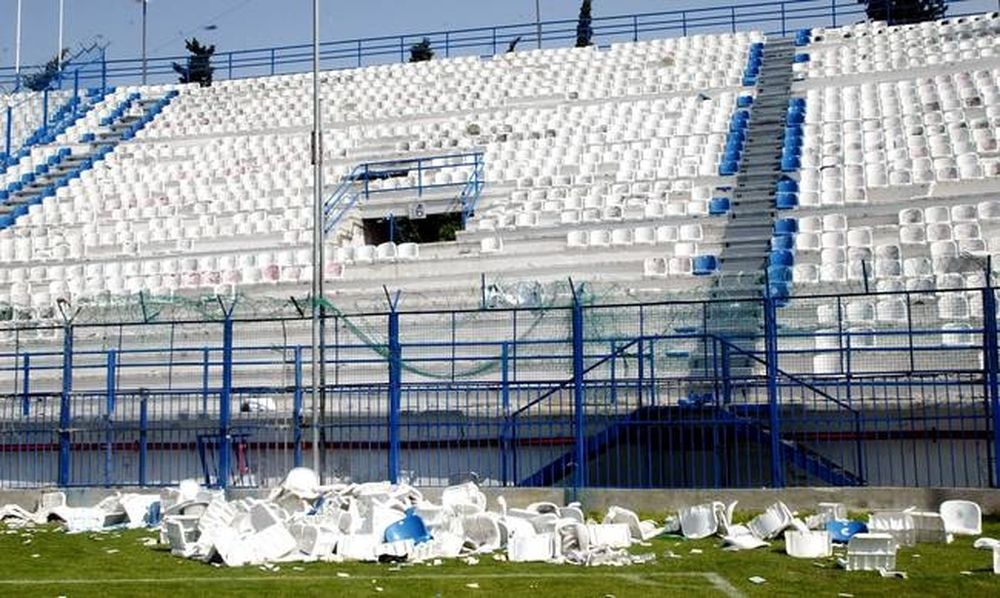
[304, 521]
[118, 511]
[870, 546]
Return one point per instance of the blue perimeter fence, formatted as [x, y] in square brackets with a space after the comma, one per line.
[781, 18]
[843, 390]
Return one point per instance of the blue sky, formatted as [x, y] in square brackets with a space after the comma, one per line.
[261, 23]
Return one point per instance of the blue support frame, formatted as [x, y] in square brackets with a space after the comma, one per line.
[297, 408]
[773, 392]
[65, 405]
[579, 399]
[225, 402]
[991, 362]
[109, 407]
[395, 395]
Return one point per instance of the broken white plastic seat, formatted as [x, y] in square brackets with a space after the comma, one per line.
[640, 530]
[774, 520]
[465, 499]
[482, 533]
[702, 521]
[808, 544]
[962, 517]
[898, 524]
[870, 552]
[531, 549]
[358, 547]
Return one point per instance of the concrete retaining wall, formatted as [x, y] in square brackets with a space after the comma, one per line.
[651, 502]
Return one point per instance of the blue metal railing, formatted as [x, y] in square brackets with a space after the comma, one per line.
[368, 179]
[521, 396]
[781, 17]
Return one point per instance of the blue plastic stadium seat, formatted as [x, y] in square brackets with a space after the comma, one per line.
[779, 274]
[411, 527]
[801, 57]
[781, 257]
[786, 226]
[786, 200]
[729, 167]
[705, 264]
[744, 101]
[786, 242]
[719, 206]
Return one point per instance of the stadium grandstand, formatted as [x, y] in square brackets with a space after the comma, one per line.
[616, 265]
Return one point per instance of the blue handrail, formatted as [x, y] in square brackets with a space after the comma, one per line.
[774, 17]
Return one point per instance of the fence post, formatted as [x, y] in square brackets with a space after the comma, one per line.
[579, 420]
[359, 53]
[297, 407]
[143, 434]
[505, 444]
[64, 406]
[635, 28]
[395, 394]
[222, 479]
[26, 385]
[833, 12]
[272, 61]
[206, 359]
[990, 361]
[771, 344]
[111, 375]
[783, 30]
[230, 65]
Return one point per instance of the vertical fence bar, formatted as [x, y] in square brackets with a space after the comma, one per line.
[783, 29]
[143, 435]
[635, 28]
[991, 362]
[297, 407]
[111, 375]
[684, 23]
[272, 61]
[222, 479]
[359, 53]
[395, 395]
[505, 406]
[230, 65]
[64, 406]
[579, 419]
[45, 111]
[206, 359]
[833, 12]
[26, 385]
[732, 19]
[771, 342]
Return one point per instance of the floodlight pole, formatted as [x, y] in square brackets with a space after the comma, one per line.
[144, 3]
[538, 22]
[17, 46]
[318, 257]
[59, 48]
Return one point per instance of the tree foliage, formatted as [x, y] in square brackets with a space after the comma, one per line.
[902, 12]
[584, 28]
[43, 79]
[199, 64]
[422, 52]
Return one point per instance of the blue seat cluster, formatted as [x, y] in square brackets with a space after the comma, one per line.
[756, 60]
[781, 259]
[736, 138]
[791, 149]
[63, 118]
[801, 57]
[50, 190]
[150, 114]
[120, 109]
[803, 37]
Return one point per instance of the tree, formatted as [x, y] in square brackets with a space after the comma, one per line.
[43, 79]
[903, 12]
[584, 30]
[422, 52]
[199, 64]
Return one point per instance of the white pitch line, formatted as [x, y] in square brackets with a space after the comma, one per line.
[714, 579]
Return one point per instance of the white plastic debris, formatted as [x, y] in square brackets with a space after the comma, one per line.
[743, 541]
[962, 517]
[996, 560]
[756, 580]
[527, 549]
[898, 524]
[640, 530]
[870, 552]
[986, 543]
[808, 544]
[704, 520]
[774, 520]
[930, 527]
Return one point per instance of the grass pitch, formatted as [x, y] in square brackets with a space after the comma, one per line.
[46, 562]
